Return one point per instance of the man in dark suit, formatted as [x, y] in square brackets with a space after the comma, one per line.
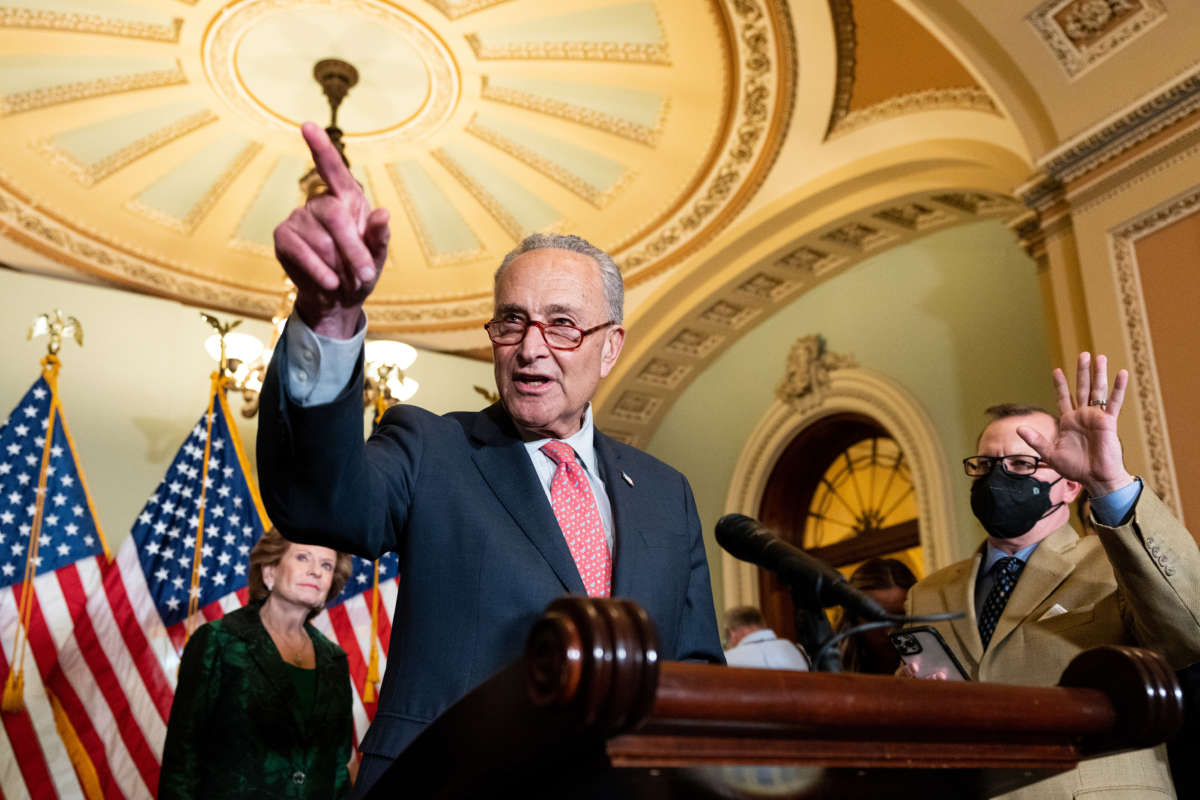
[495, 513]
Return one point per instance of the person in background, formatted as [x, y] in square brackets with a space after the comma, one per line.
[262, 706]
[1036, 593]
[887, 580]
[752, 644]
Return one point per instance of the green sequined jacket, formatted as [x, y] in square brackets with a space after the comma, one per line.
[238, 728]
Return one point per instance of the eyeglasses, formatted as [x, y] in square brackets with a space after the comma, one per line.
[558, 337]
[1019, 465]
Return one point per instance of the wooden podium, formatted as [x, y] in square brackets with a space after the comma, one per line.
[590, 711]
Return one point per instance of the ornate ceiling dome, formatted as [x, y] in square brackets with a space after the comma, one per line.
[157, 145]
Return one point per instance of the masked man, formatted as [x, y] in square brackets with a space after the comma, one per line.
[1036, 593]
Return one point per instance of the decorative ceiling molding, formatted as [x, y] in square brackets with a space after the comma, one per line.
[844, 119]
[648, 388]
[1091, 149]
[93, 171]
[1083, 33]
[30, 227]
[722, 113]
[165, 31]
[766, 55]
[460, 8]
[970, 99]
[577, 112]
[70, 91]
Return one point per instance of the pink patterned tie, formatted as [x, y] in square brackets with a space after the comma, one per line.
[577, 515]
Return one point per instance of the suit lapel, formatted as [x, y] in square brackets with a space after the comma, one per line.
[266, 656]
[1045, 571]
[960, 593]
[504, 465]
[630, 547]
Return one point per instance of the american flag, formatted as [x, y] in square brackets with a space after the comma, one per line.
[38, 461]
[137, 623]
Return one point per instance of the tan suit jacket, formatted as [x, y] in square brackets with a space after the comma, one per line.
[1137, 584]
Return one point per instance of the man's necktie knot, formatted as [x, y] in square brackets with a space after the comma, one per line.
[577, 514]
[1005, 573]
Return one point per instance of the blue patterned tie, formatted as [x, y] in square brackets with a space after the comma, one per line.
[1006, 572]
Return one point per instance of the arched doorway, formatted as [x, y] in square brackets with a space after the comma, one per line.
[843, 491]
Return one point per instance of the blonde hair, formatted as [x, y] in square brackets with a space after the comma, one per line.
[269, 551]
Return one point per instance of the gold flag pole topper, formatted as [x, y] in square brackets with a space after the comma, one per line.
[56, 326]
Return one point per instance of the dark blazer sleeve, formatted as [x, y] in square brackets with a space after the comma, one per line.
[195, 697]
[698, 637]
[320, 483]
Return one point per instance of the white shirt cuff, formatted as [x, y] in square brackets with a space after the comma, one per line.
[319, 367]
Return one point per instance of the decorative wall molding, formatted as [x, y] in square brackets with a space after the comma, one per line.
[850, 390]
[806, 378]
[1136, 327]
[1082, 33]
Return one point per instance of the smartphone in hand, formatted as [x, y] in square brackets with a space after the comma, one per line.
[924, 652]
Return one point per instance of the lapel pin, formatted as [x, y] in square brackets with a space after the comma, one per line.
[628, 479]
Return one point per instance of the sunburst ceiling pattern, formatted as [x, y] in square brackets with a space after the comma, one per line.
[155, 144]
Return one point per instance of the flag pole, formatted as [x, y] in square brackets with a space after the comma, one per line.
[369, 691]
[14, 686]
[194, 591]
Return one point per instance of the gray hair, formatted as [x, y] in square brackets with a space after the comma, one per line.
[610, 274]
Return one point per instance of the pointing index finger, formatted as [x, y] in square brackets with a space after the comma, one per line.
[328, 161]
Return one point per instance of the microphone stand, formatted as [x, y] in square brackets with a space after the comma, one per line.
[813, 629]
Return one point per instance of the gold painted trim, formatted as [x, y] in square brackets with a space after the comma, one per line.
[550, 169]
[1161, 474]
[961, 99]
[32, 229]
[198, 211]
[846, 42]
[421, 232]
[453, 9]
[493, 206]
[757, 135]
[580, 114]
[69, 92]
[88, 174]
[572, 51]
[89, 23]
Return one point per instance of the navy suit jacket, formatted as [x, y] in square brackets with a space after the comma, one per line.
[481, 554]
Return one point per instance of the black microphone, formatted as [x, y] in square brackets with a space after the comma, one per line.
[746, 539]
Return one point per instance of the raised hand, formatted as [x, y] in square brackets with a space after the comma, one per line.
[1086, 448]
[334, 246]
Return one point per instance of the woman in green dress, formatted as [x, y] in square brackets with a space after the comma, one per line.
[262, 705]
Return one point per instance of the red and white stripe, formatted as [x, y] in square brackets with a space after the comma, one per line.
[113, 670]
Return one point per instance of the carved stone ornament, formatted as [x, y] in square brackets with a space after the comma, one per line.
[806, 379]
[1081, 33]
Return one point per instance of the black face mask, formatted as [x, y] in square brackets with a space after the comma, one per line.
[1009, 506]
